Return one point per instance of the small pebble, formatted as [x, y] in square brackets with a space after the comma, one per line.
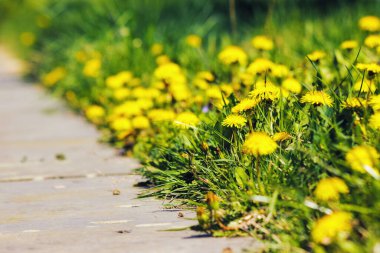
[60, 157]
[116, 192]
[227, 250]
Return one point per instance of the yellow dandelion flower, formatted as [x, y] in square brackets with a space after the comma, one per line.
[267, 90]
[54, 76]
[233, 55]
[95, 113]
[186, 120]
[317, 98]
[330, 188]
[169, 73]
[198, 99]
[220, 103]
[119, 80]
[372, 40]
[121, 93]
[141, 92]
[140, 122]
[126, 77]
[128, 108]
[92, 68]
[180, 92]
[369, 23]
[280, 70]
[227, 89]
[246, 78]
[362, 158]
[292, 85]
[262, 42]
[234, 120]
[201, 83]
[27, 38]
[161, 115]
[354, 103]
[374, 121]
[364, 86]
[330, 227]
[121, 124]
[259, 143]
[245, 105]
[316, 55]
[374, 102]
[145, 103]
[349, 44]
[194, 40]
[373, 68]
[260, 66]
[134, 82]
[281, 136]
[205, 75]
[162, 60]
[157, 49]
[214, 92]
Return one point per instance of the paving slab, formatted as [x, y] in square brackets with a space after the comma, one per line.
[52, 205]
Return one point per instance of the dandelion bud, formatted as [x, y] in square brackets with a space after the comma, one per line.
[204, 146]
[202, 216]
[212, 200]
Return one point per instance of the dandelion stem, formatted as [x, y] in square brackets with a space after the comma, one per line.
[258, 173]
[233, 20]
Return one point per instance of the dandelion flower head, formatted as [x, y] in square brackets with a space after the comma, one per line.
[361, 156]
[258, 144]
[260, 66]
[330, 188]
[194, 40]
[234, 120]
[232, 55]
[354, 103]
[161, 115]
[292, 85]
[95, 113]
[262, 42]
[374, 102]
[245, 105]
[317, 98]
[328, 228]
[374, 121]
[369, 23]
[92, 68]
[372, 40]
[364, 86]
[186, 119]
[140, 122]
[54, 76]
[349, 44]
[316, 55]
[157, 49]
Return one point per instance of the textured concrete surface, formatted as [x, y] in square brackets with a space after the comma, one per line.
[51, 205]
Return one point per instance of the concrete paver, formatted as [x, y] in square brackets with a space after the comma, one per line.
[51, 205]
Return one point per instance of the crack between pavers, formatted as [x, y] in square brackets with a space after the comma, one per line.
[41, 178]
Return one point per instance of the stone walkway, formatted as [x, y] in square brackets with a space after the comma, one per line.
[57, 205]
